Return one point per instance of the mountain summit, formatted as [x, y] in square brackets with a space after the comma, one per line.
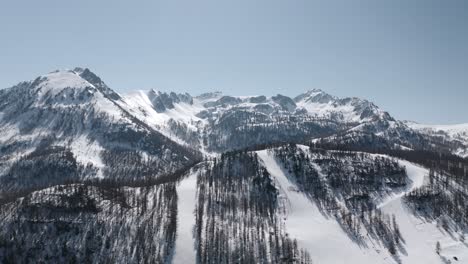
[74, 115]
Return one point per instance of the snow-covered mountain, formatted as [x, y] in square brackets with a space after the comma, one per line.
[458, 134]
[315, 103]
[350, 110]
[91, 176]
[72, 119]
[214, 122]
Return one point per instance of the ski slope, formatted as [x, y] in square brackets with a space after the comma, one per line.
[184, 246]
[417, 176]
[326, 242]
[323, 238]
[420, 238]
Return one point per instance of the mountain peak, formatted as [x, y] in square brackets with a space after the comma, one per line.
[79, 70]
[66, 85]
[61, 79]
[315, 91]
[76, 78]
[316, 96]
[92, 78]
[210, 95]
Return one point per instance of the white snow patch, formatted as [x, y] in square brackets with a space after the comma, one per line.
[185, 244]
[8, 132]
[59, 80]
[86, 152]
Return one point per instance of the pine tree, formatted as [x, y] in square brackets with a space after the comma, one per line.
[438, 249]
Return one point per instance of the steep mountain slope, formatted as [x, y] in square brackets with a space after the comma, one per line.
[174, 117]
[69, 126]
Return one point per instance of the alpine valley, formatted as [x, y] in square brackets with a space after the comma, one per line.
[88, 175]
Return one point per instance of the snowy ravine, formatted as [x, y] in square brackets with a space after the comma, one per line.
[326, 242]
[184, 246]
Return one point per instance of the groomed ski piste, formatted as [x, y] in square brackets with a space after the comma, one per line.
[184, 246]
[322, 236]
[326, 241]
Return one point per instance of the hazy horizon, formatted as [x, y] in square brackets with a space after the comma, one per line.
[409, 58]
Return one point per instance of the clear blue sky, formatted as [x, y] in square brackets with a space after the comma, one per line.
[409, 57]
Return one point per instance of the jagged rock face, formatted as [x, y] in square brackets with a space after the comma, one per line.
[185, 97]
[163, 101]
[224, 102]
[97, 82]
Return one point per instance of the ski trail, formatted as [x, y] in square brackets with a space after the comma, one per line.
[416, 174]
[420, 237]
[184, 246]
[323, 238]
[327, 243]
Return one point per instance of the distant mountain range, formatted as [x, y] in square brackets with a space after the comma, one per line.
[91, 175]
